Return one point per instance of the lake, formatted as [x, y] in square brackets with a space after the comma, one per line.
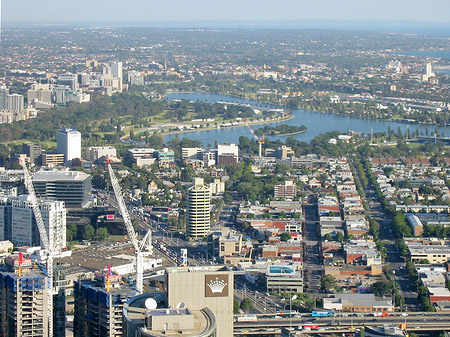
[316, 122]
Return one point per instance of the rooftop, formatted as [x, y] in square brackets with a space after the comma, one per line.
[60, 176]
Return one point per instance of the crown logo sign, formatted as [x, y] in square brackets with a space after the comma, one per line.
[216, 285]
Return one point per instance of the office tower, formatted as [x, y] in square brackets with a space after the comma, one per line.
[72, 187]
[117, 74]
[3, 93]
[99, 304]
[23, 299]
[68, 143]
[93, 153]
[14, 102]
[17, 222]
[117, 69]
[227, 154]
[32, 151]
[198, 209]
[429, 70]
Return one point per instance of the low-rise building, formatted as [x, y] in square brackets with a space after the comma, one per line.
[357, 303]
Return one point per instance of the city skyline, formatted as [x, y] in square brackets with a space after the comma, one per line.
[152, 12]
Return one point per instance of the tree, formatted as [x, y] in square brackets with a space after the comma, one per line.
[98, 181]
[328, 283]
[236, 307]
[71, 232]
[155, 141]
[88, 232]
[101, 233]
[381, 288]
[285, 236]
[339, 236]
[246, 305]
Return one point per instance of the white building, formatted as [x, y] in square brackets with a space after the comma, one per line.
[69, 143]
[217, 187]
[14, 102]
[198, 209]
[17, 222]
[228, 149]
[93, 153]
[135, 78]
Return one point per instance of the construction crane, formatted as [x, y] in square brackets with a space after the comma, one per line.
[259, 140]
[142, 248]
[44, 239]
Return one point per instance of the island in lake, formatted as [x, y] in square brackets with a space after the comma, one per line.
[281, 130]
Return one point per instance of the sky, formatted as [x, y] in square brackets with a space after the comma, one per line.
[151, 11]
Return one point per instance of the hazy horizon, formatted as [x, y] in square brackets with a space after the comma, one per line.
[153, 12]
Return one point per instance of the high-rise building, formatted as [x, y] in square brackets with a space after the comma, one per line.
[117, 69]
[198, 209]
[429, 69]
[32, 151]
[59, 300]
[72, 187]
[14, 102]
[99, 305]
[3, 94]
[117, 73]
[17, 222]
[69, 143]
[23, 299]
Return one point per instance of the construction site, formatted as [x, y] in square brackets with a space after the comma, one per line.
[23, 298]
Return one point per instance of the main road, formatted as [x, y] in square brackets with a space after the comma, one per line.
[415, 321]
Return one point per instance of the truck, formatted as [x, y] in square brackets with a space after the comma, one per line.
[322, 314]
[247, 318]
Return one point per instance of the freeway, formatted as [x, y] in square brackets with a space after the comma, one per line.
[415, 321]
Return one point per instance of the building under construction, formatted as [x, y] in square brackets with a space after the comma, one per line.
[99, 303]
[23, 298]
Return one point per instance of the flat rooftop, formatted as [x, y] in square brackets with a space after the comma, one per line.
[60, 176]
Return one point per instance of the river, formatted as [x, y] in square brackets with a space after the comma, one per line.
[316, 122]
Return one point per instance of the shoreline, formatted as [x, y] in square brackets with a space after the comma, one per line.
[226, 127]
[302, 108]
[285, 134]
